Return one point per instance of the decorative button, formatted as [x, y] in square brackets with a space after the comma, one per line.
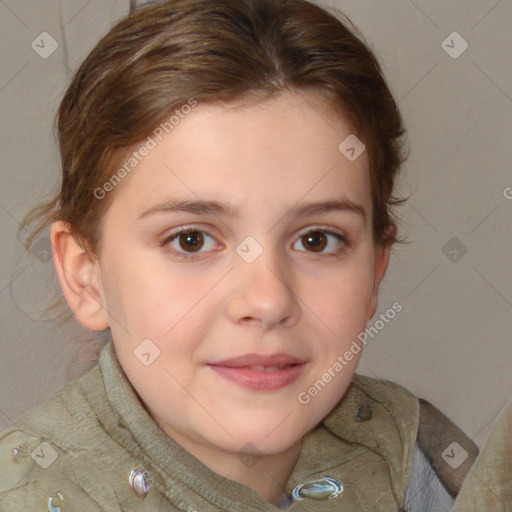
[364, 412]
[139, 482]
[15, 461]
[20, 452]
[323, 489]
[55, 501]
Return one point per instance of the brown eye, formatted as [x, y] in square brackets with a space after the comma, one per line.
[322, 241]
[191, 241]
[316, 241]
[190, 244]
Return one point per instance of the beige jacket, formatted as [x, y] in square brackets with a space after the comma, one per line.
[76, 452]
[488, 486]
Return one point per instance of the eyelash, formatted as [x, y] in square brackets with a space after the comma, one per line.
[194, 256]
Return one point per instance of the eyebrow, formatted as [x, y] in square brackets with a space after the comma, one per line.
[199, 207]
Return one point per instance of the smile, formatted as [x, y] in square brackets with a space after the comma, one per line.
[259, 372]
[267, 368]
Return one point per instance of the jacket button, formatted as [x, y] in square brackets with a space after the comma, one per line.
[364, 412]
[20, 452]
[15, 461]
[324, 489]
[139, 482]
[55, 501]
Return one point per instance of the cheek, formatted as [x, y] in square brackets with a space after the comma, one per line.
[135, 297]
[162, 304]
[344, 299]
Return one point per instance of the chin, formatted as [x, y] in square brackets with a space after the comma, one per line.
[257, 442]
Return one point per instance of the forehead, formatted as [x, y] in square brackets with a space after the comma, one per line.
[281, 151]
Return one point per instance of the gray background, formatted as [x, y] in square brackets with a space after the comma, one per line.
[451, 343]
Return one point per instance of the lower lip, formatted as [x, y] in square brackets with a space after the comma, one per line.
[260, 380]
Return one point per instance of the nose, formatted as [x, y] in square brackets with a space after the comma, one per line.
[262, 293]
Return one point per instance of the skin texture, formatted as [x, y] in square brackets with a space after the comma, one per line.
[210, 304]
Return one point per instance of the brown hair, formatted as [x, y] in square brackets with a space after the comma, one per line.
[160, 56]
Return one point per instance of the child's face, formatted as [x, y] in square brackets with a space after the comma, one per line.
[211, 304]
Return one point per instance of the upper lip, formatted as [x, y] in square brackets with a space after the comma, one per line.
[259, 360]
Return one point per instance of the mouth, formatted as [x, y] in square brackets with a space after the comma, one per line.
[278, 361]
[259, 372]
[265, 368]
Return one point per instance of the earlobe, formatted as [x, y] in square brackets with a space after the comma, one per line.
[79, 278]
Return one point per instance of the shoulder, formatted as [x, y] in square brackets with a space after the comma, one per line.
[66, 417]
[488, 485]
[72, 453]
[40, 452]
[400, 424]
[448, 450]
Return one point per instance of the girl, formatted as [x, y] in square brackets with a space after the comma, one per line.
[225, 212]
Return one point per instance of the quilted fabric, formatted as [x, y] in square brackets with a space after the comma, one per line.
[77, 451]
[488, 485]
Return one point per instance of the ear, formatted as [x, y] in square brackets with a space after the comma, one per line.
[382, 255]
[79, 277]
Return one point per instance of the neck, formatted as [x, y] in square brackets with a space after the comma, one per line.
[265, 474]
